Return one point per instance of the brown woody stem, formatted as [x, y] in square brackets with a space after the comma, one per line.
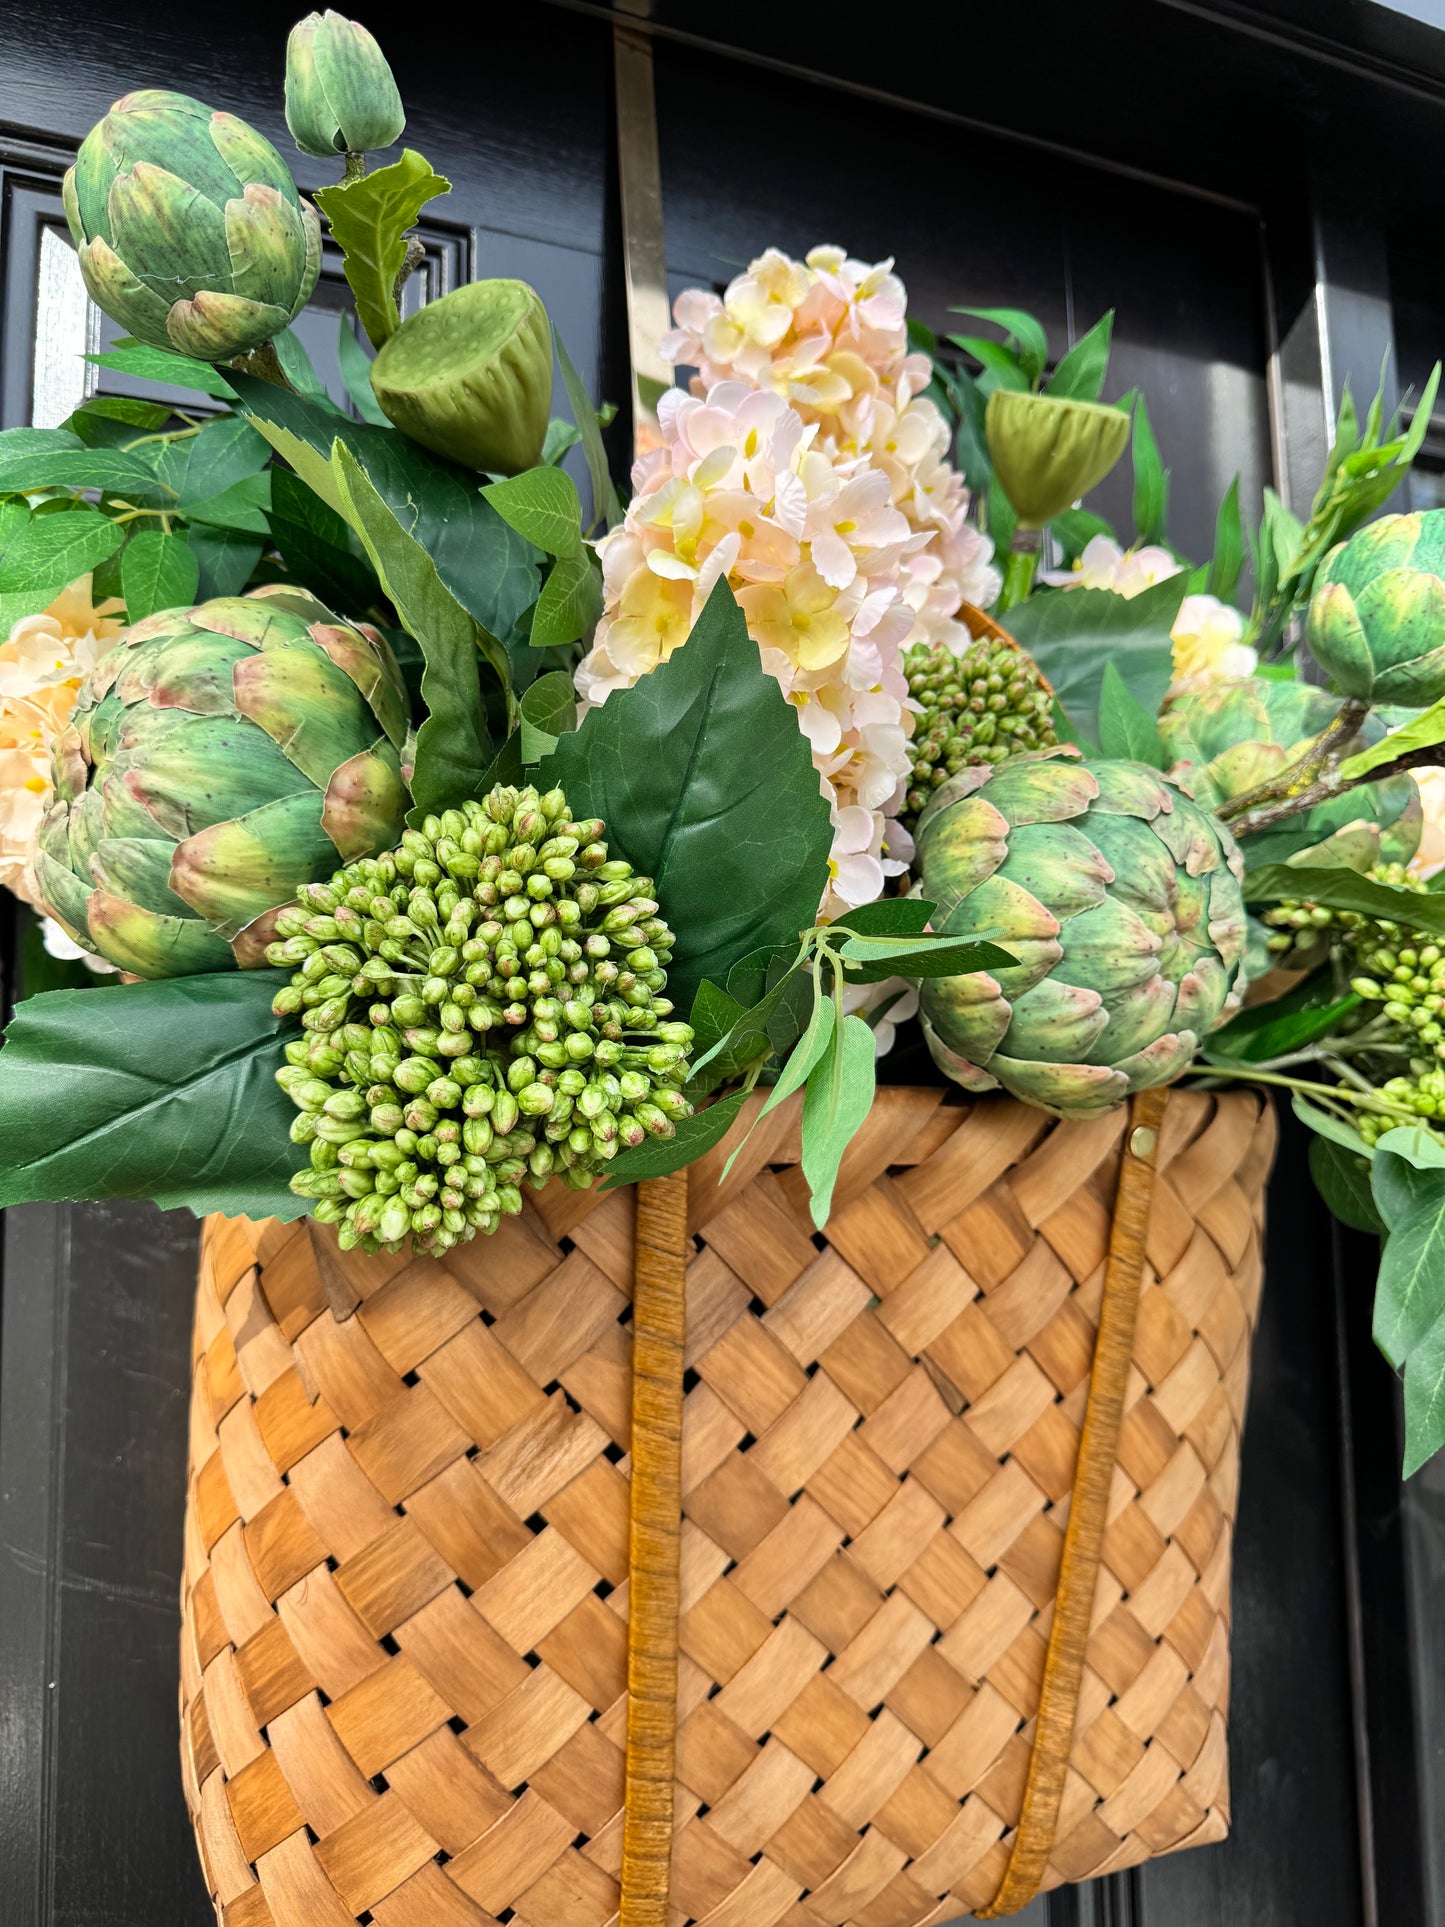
[1301, 775]
[1266, 815]
[415, 255]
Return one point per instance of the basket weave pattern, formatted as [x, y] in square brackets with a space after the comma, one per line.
[405, 1592]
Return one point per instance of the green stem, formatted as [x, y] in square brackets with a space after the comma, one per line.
[1019, 566]
[355, 168]
[1366, 1102]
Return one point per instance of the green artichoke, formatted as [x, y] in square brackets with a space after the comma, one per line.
[1048, 450]
[340, 94]
[1120, 900]
[190, 230]
[470, 376]
[1242, 731]
[217, 759]
[980, 706]
[1377, 616]
[483, 1007]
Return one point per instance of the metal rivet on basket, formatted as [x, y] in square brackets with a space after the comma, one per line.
[1142, 1141]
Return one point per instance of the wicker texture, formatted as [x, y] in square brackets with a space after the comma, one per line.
[403, 1658]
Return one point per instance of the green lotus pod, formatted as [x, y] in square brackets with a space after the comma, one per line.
[190, 229]
[217, 759]
[340, 94]
[1119, 900]
[1376, 619]
[981, 705]
[1242, 731]
[470, 376]
[441, 950]
[1047, 451]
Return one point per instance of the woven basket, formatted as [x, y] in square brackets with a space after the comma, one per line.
[406, 1576]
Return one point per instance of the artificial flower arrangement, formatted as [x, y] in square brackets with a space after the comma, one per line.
[564, 841]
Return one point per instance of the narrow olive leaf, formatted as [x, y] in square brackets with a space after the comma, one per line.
[693, 1136]
[453, 745]
[871, 959]
[1338, 888]
[1126, 728]
[605, 506]
[1151, 479]
[159, 1090]
[542, 504]
[810, 1048]
[1273, 1030]
[370, 219]
[1080, 374]
[157, 571]
[1425, 1399]
[706, 785]
[1421, 732]
[1324, 1125]
[836, 1100]
[1227, 564]
[355, 365]
[1342, 1179]
[172, 371]
[1410, 1287]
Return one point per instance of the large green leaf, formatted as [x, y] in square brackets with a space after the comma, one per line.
[1072, 633]
[370, 218]
[452, 746]
[110, 469]
[157, 571]
[1126, 727]
[162, 1090]
[316, 546]
[706, 784]
[488, 567]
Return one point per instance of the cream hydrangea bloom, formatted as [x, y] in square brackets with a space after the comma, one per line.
[830, 337]
[42, 665]
[1430, 856]
[814, 553]
[1103, 564]
[1207, 644]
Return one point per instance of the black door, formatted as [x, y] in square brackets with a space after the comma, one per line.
[1229, 312]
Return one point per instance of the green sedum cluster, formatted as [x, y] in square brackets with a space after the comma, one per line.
[982, 705]
[483, 1007]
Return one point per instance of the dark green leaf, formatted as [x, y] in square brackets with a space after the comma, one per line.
[355, 365]
[157, 571]
[370, 219]
[542, 505]
[1340, 889]
[694, 1135]
[1342, 1179]
[161, 1090]
[1228, 561]
[488, 567]
[298, 367]
[174, 371]
[1000, 362]
[888, 917]
[1425, 1399]
[111, 421]
[713, 1015]
[225, 557]
[605, 506]
[1080, 374]
[1410, 1287]
[1290, 1023]
[836, 1100]
[242, 506]
[1126, 728]
[751, 975]
[201, 466]
[1151, 479]
[315, 544]
[873, 959]
[1072, 633]
[1003, 520]
[706, 784]
[452, 746]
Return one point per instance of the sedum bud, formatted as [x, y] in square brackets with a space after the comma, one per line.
[1047, 451]
[340, 94]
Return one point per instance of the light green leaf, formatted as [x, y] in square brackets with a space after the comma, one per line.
[561, 435]
[157, 571]
[1033, 343]
[836, 1100]
[693, 1136]
[1080, 374]
[1151, 479]
[452, 746]
[1338, 888]
[1425, 1399]
[356, 373]
[370, 219]
[1416, 1144]
[160, 1090]
[570, 602]
[1421, 732]
[542, 505]
[605, 506]
[1001, 363]
[1325, 1125]
[1410, 1287]
[1126, 728]
[807, 1053]
[1227, 563]
[51, 551]
[706, 784]
[174, 371]
[549, 710]
[99, 468]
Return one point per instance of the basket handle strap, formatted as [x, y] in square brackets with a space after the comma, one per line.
[658, 1324]
[1088, 1514]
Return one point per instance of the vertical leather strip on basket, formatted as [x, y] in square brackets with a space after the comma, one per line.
[1088, 1515]
[659, 1268]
